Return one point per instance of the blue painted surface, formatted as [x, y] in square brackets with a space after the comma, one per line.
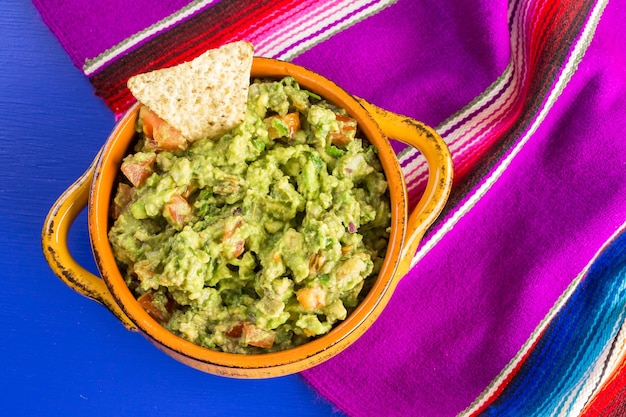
[61, 353]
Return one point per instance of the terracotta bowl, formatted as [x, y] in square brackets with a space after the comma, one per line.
[95, 187]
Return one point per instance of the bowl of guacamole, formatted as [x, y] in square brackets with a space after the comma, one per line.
[259, 240]
[266, 250]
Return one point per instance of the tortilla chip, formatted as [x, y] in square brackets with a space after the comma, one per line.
[202, 98]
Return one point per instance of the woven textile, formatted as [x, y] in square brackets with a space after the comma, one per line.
[517, 298]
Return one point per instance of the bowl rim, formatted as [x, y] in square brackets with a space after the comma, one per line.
[280, 362]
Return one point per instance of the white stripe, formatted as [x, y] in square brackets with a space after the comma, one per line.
[93, 65]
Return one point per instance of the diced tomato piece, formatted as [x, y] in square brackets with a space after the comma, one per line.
[148, 120]
[147, 303]
[290, 122]
[235, 331]
[136, 173]
[346, 249]
[138, 170]
[143, 270]
[255, 336]
[311, 298]
[159, 134]
[177, 210]
[169, 139]
[347, 130]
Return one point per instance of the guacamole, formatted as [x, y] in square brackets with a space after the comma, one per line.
[261, 239]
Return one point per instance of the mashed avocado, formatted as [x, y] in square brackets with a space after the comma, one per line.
[261, 239]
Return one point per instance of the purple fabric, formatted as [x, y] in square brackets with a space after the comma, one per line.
[467, 308]
[95, 26]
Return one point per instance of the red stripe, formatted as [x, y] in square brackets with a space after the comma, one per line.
[553, 30]
[539, 27]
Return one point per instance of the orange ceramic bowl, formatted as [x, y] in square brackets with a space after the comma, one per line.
[95, 190]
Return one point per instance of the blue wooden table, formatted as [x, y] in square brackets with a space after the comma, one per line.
[63, 354]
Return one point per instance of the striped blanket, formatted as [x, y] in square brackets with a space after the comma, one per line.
[516, 301]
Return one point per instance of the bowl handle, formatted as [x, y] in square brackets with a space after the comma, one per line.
[55, 248]
[435, 196]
